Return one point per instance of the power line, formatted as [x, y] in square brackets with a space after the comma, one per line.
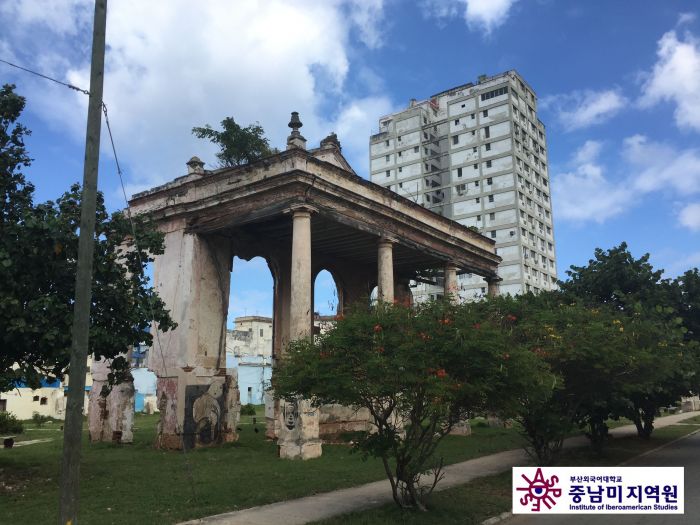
[70, 86]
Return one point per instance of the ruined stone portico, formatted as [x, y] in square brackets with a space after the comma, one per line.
[303, 211]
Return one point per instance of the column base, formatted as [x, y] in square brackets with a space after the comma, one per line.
[293, 450]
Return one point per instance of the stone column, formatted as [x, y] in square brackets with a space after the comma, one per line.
[451, 287]
[197, 395]
[299, 430]
[492, 284]
[402, 292]
[300, 321]
[111, 417]
[385, 271]
[280, 267]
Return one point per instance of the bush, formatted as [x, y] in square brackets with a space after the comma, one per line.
[418, 371]
[9, 424]
[248, 410]
[39, 420]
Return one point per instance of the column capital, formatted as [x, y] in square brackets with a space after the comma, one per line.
[299, 209]
[386, 240]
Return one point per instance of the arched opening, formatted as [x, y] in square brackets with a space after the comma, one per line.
[327, 300]
[249, 333]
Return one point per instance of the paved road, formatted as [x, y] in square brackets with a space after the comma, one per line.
[683, 453]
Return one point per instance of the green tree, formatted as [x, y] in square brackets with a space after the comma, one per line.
[38, 254]
[617, 280]
[418, 371]
[237, 145]
[688, 300]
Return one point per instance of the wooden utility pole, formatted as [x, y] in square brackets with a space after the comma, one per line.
[73, 430]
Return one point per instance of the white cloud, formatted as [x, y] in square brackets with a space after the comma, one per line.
[584, 193]
[655, 166]
[442, 9]
[689, 216]
[355, 122]
[487, 15]
[686, 18]
[178, 64]
[366, 15]
[587, 193]
[676, 77]
[481, 15]
[582, 109]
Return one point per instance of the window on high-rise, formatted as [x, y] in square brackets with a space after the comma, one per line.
[487, 147]
[415, 149]
[485, 113]
[488, 163]
[459, 172]
[456, 122]
[493, 234]
[489, 181]
[490, 198]
[455, 140]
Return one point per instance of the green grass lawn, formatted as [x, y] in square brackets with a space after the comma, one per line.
[489, 496]
[695, 420]
[137, 484]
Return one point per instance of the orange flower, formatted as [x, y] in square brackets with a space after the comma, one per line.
[380, 350]
[441, 373]
[477, 326]
[511, 317]
[377, 328]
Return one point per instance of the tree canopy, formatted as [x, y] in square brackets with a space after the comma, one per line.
[237, 145]
[38, 259]
[417, 371]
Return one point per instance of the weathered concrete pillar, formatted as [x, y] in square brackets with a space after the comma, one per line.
[280, 267]
[492, 284]
[402, 292]
[385, 271]
[110, 418]
[299, 430]
[451, 287]
[197, 395]
[300, 321]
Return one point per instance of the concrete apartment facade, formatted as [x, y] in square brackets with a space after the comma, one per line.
[477, 154]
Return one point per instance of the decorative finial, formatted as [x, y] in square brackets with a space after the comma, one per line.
[195, 165]
[331, 142]
[295, 123]
[295, 139]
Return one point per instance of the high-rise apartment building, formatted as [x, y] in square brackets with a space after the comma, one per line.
[477, 154]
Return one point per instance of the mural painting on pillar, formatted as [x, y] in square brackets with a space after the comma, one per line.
[204, 408]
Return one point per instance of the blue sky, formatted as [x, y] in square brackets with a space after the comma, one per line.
[618, 84]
